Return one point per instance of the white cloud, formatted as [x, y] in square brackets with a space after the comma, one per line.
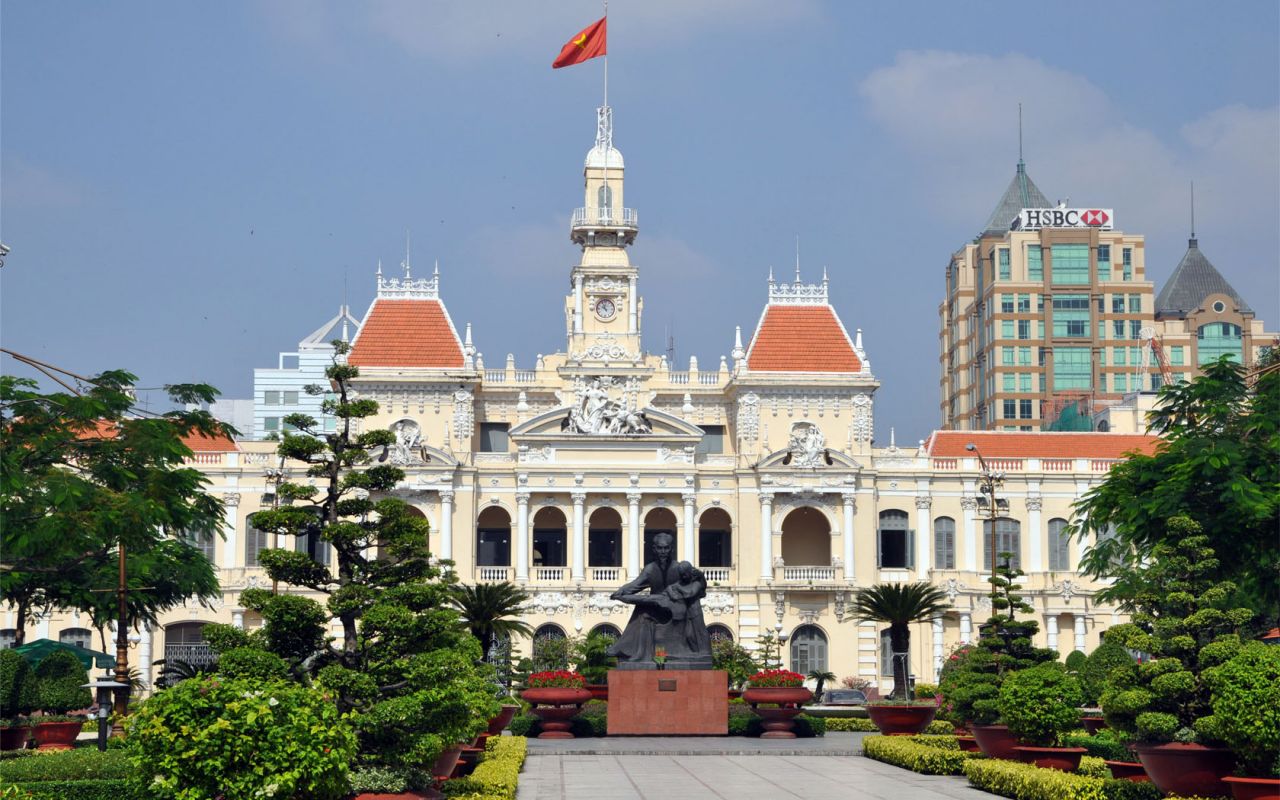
[29, 185]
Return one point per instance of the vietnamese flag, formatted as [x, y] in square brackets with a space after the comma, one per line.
[588, 44]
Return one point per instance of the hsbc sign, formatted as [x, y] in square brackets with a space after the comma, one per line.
[1031, 219]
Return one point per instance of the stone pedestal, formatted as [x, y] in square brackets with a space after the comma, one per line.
[668, 702]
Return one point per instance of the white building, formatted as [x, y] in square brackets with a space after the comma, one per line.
[280, 391]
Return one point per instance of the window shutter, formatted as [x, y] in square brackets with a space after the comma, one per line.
[880, 548]
[911, 549]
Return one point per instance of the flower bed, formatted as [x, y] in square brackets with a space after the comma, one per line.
[496, 776]
[932, 758]
[556, 679]
[776, 678]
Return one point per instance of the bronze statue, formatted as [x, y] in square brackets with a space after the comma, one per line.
[667, 617]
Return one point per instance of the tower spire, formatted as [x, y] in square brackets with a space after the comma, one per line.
[1019, 133]
[1193, 211]
[797, 258]
[406, 265]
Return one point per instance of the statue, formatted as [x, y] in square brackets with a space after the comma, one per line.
[807, 446]
[668, 616]
[597, 414]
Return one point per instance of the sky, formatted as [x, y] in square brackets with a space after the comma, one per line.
[190, 188]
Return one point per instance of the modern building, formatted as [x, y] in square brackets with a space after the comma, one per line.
[557, 475]
[280, 391]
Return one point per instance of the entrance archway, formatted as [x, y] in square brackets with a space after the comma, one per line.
[604, 538]
[550, 538]
[806, 538]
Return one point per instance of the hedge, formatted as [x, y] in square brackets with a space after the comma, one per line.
[927, 759]
[1029, 782]
[1101, 746]
[497, 774]
[74, 790]
[856, 725]
[83, 763]
[594, 721]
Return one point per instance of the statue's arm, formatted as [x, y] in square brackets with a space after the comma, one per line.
[642, 581]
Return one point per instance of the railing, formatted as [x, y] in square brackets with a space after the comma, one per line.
[1057, 465]
[526, 375]
[495, 376]
[946, 463]
[609, 574]
[259, 458]
[1005, 464]
[493, 574]
[197, 654]
[679, 377]
[1102, 464]
[613, 217]
[703, 378]
[207, 458]
[808, 573]
[709, 378]
[550, 573]
[716, 574]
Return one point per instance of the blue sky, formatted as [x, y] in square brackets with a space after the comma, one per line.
[187, 187]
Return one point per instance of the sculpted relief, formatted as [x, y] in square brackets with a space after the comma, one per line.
[807, 445]
[596, 413]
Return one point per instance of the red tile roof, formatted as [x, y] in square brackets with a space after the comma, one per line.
[406, 333]
[1000, 444]
[801, 339]
[199, 443]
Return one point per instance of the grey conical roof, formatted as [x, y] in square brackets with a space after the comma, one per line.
[1192, 281]
[1022, 193]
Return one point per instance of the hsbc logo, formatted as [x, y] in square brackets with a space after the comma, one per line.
[1030, 219]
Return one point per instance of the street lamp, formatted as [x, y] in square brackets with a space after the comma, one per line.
[103, 688]
[990, 481]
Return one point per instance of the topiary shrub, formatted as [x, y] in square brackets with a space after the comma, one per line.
[1246, 707]
[60, 678]
[1076, 661]
[222, 637]
[17, 685]
[1098, 666]
[212, 738]
[249, 662]
[1040, 704]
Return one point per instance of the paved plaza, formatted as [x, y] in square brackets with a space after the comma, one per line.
[732, 768]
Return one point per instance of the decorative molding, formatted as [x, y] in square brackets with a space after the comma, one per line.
[596, 413]
[952, 588]
[529, 455]
[863, 426]
[923, 502]
[600, 603]
[669, 456]
[969, 503]
[231, 499]
[464, 416]
[549, 603]
[1067, 589]
[634, 497]
[1034, 503]
[408, 288]
[748, 417]
[797, 293]
[718, 603]
[807, 446]
[839, 606]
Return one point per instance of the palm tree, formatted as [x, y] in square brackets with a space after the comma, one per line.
[821, 677]
[492, 611]
[899, 605]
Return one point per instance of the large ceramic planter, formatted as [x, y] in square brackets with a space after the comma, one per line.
[1066, 759]
[1092, 725]
[499, 723]
[15, 737]
[1187, 769]
[1128, 771]
[968, 744]
[1254, 788]
[777, 707]
[555, 707]
[422, 794]
[445, 762]
[901, 720]
[56, 735]
[599, 691]
[995, 741]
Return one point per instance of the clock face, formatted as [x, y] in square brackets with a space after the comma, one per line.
[605, 308]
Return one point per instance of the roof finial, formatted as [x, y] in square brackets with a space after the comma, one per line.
[406, 265]
[797, 258]
[770, 274]
[379, 268]
[1193, 213]
[1019, 133]
[824, 274]
[436, 271]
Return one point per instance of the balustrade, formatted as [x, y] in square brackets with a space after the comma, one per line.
[606, 574]
[808, 573]
[493, 574]
[716, 574]
[550, 573]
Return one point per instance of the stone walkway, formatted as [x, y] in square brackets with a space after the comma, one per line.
[726, 768]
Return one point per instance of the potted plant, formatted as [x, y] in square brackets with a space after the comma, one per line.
[776, 696]
[736, 661]
[556, 697]
[1093, 679]
[60, 680]
[1182, 618]
[1040, 705]
[17, 697]
[1246, 707]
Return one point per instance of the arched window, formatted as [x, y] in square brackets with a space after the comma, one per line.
[660, 520]
[80, 637]
[897, 542]
[493, 538]
[255, 541]
[944, 543]
[715, 539]
[1059, 546]
[8, 638]
[806, 538]
[604, 538]
[1008, 540]
[549, 538]
[200, 541]
[184, 641]
[1218, 339]
[808, 649]
[549, 630]
[720, 633]
[604, 199]
[605, 629]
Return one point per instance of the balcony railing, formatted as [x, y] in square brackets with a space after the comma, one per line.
[606, 574]
[605, 217]
[197, 654]
[716, 574]
[493, 574]
[806, 574]
[550, 573]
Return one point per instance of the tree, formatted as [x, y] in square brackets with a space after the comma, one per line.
[820, 677]
[898, 605]
[492, 611]
[80, 475]
[1218, 464]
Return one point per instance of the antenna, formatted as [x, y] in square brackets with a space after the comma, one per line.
[671, 343]
[797, 258]
[1019, 132]
[1193, 209]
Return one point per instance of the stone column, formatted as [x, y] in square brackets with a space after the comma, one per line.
[1035, 557]
[633, 320]
[937, 647]
[231, 513]
[1080, 643]
[522, 536]
[923, 538]
[635, 536]
[689, 540]
[579, 535]
[766, 537]
[446, 523]
[577, 304]
[850, 505]
[1051, 630]
[237, 618]
[144, 655]
[970, 505]
[966, 627]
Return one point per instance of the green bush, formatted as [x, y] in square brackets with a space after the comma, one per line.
[75, 790]
[1101, 746]
[1076, 661]
[82, 763]
[17, 685]
[222, 637]
[1029, 782]
[734, 659]
[1098, 666]
[1093, 767]
[212, 738]
[1246, 706]
[386, 779]
[59, 680]
[250, 662]
[926, 691]
[591, 657]
[1041, 703]
[859, 725]
[1128, 790]
[927, 759]
[495, 777]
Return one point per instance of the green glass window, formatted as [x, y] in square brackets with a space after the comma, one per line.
[1006, 329]
[1135, 356]
[1128, 263]
[1006, 356]
[1102, 329]
[1005, 271]
[1104, 262]
[1024, 329]
[1010, 409]
[1118, 324]
[1006, 304]
[1218, 339]
[1176, 355]
[1117, 304]
[1025, 381]
[1071, 315]
[1122, 382]
[1070, 263]
[1008, 382]
[1035, 263]
[1102, 382]
[1102, 356]
[1024, 304]
[1024, 356]
[1135, 303]
[1071, 368]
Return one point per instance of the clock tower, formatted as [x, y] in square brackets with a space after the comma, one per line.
[603, 310]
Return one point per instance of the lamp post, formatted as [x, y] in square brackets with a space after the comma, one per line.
[990, 481]
[102, 689]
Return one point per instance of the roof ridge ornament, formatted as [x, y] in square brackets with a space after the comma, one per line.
[797, 293]
[408, 288]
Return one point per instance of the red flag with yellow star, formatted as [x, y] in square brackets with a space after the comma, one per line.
[588, 44]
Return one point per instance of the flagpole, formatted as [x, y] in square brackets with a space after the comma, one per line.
[608, 145]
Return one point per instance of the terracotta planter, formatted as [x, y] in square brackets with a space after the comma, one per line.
[1128, 771]
[599, 691]
[778, 723]
[1092, 725]
[901, 720]
[1066, 759]
[968, 744]
[421, 794]
[14, 738]
[556, 696]
[777, 707]
[499, 723]
[735, 694]
[445, 763]
[1187, 769]
[554, 707]
[780, 695]
[1254, 788]
[995, 741]
[56, 735]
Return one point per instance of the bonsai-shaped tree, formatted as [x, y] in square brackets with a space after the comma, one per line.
[734, 659]
[1181, 617]
[1040, 704]
[971, 688]
[1246, 705]
[898, 605]
[1093, 675]
[1076, 661]
[492, 611]
[17, 685]
[60, 678]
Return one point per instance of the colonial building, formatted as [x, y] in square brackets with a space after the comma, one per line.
[558, 474]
